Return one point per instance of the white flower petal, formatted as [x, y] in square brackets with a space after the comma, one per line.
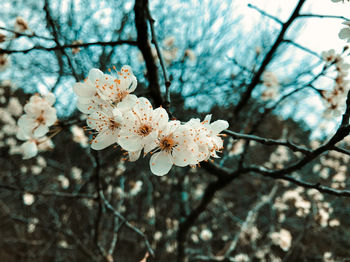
[130, 142]
[84, 108]
[160, 163]
[50, 116]
[150, 141]
[40, 131]
[127, 103]
[143, 106]
[181, 157]
[207, 118]
[94, 74]
[50, 98]
[133, 156]
[29, 149]
[218, 126]
[27, 123]
[22, 134]
[161, 117]
[103, 140]
[344, 33]
[84, 89]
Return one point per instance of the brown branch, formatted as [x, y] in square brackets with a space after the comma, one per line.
[141, 17]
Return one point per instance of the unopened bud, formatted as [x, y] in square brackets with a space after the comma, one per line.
[2, 38]
[21, 25]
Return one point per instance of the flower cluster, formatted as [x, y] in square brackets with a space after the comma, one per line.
[119, 117]
[335, 98]
[34, 124]
[270, 80]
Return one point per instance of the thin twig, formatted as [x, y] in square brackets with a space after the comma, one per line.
[302, 48]
[61, 47]
[162, 64]
[266, 14]
[49, 194]
[268, 141]
[26, 35]
[324, 16]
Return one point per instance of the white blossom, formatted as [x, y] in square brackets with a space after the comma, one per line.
[14, 107]
[39, 116]
[345, 32]
[28, 199]
[141, 126]
[79, 136]
[207, 136]
[283, 239]
[175, 146]
[29, 149]
[270, 79]
[206, 234]
[107, 123]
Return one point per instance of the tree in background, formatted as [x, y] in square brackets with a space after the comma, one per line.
[278, 192]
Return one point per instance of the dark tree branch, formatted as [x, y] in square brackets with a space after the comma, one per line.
[96, 165]
[141, 17]
[268, 141]
[299, 182]
[61, 47]
[341, 150]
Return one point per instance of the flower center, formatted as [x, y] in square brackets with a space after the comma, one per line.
[41, 119]
[113, 125]
[120, 96]
[167, 143]
[144, 130]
